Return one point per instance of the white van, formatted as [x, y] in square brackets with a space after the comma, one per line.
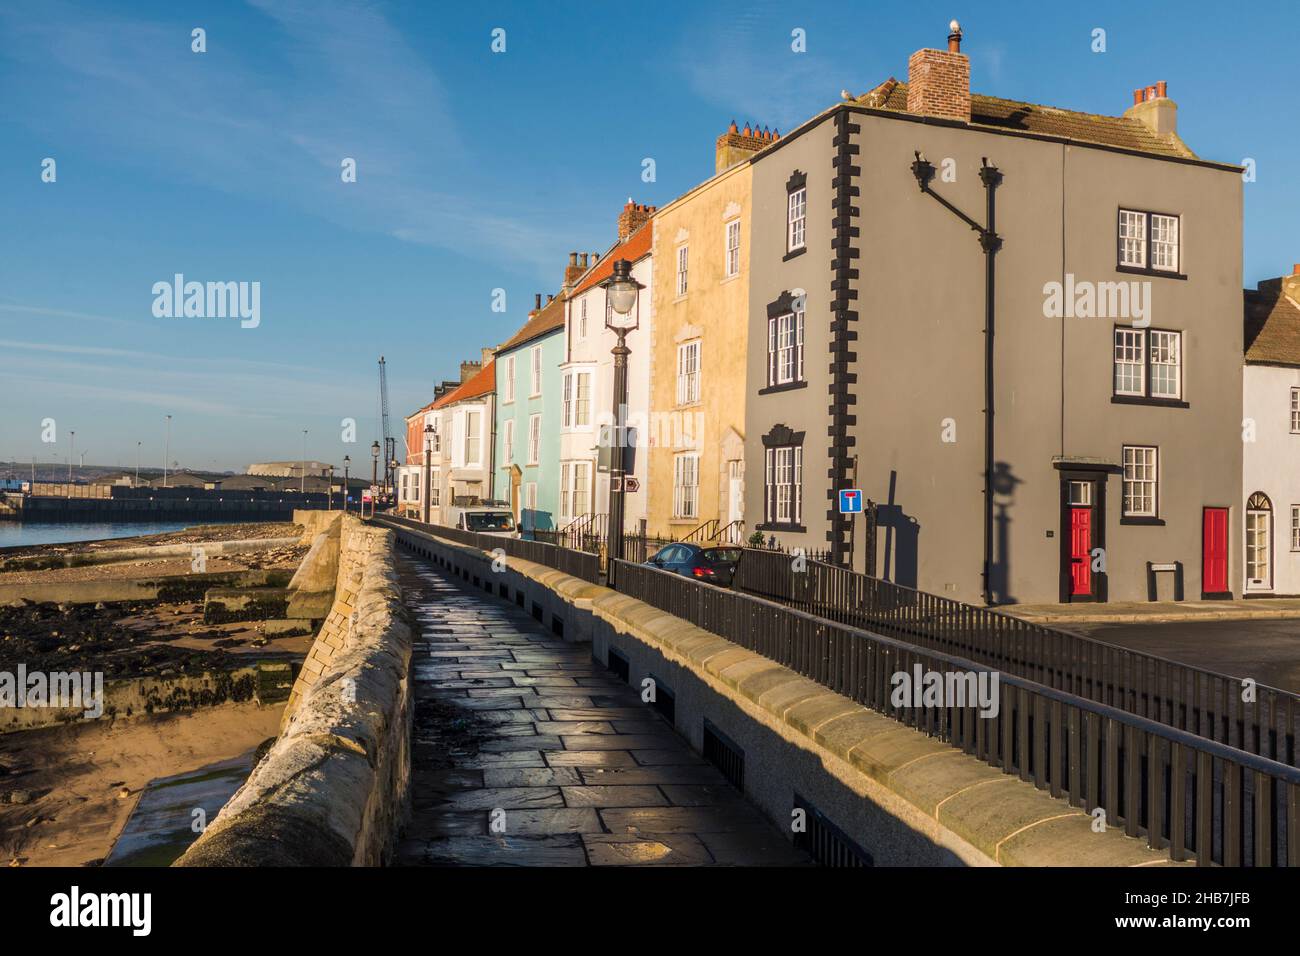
[485, 519]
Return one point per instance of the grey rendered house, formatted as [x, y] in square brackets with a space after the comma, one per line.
[1114, 370]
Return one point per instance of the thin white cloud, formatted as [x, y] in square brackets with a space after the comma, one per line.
[355, 89]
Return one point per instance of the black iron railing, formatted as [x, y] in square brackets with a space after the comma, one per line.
[580, 564]
[1251, 717]
[1196, 798]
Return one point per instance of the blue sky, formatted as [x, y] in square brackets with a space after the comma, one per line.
[475, 171]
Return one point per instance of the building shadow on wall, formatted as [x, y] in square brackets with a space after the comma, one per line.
[1004, 495]
[902, 536]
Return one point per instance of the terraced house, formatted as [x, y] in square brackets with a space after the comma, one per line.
[420, 489]
[1085, 445]
[462, 466]
[587, 379]
[1271, 438]
[701, 293]
[527, 443]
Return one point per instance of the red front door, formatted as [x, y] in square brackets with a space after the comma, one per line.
[1214, 551]
[1081, 550]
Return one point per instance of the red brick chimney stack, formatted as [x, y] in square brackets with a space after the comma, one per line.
[634, 216]
[938, 81]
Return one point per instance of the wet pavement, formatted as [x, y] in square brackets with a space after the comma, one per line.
[527, 752]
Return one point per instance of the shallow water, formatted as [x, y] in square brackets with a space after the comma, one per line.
[18, 533]
[161, 827]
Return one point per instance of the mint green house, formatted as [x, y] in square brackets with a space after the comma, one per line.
[527, 473]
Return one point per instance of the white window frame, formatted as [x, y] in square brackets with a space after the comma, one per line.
[1295, 527]
[509, 390]
[508, 440]
[1132, 238]
[1141, 481]
[1165, 241]
[731, 249]
[1129, 355]
[575, 488]
[536, 370]
[1142, 354]
[688, 372]
[1295, 411]
[534, 438]
[582, 318]
[1259, 526]
[473, 441]
[1150, 241]
[683, 269]
[785, 338]
[796, 213]
[565, 513]
[581, 401]
[783, 480]
[566, 401]
[686, 485]
[1165, 351]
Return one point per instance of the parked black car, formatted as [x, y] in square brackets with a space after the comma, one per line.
[714, 565]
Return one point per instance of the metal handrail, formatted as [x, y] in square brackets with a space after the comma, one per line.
[1190, 795]
[1200, 701]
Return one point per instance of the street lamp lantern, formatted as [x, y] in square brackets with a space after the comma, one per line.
[347, 462]
[623, 294]
[622, 291]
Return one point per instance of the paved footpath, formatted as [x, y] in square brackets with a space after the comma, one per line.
[515, 727]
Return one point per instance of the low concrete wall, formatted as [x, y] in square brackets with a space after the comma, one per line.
[334, 788]
[151, 553]
[267, 682]
[145, 587]
[904, 798]
[314, 522]
[313, 584]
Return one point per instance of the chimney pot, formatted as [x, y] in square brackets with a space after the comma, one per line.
[1162, 89]
[1295, 269]
[549, 298]
[537, 300]
[573, 258]
[1151, 92]
[1137, 96]
[583, 261]
[733, 128]
[954, 37]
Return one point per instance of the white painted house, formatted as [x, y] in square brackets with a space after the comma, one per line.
[587, 377]
[1271, 438]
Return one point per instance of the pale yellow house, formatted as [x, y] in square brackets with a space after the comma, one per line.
[696, 439]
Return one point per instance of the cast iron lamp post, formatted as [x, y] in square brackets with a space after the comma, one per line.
[428, 468]
[347, 462]
[374, 475]
[990, 242]
[624, 294]
[329, 491]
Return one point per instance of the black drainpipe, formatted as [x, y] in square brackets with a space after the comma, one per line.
[990, 242]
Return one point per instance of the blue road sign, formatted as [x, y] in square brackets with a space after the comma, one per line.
[850, 501]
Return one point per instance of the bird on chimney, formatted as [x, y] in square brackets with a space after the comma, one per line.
[845, 95]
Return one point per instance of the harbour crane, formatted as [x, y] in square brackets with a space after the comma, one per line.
[390, 445]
